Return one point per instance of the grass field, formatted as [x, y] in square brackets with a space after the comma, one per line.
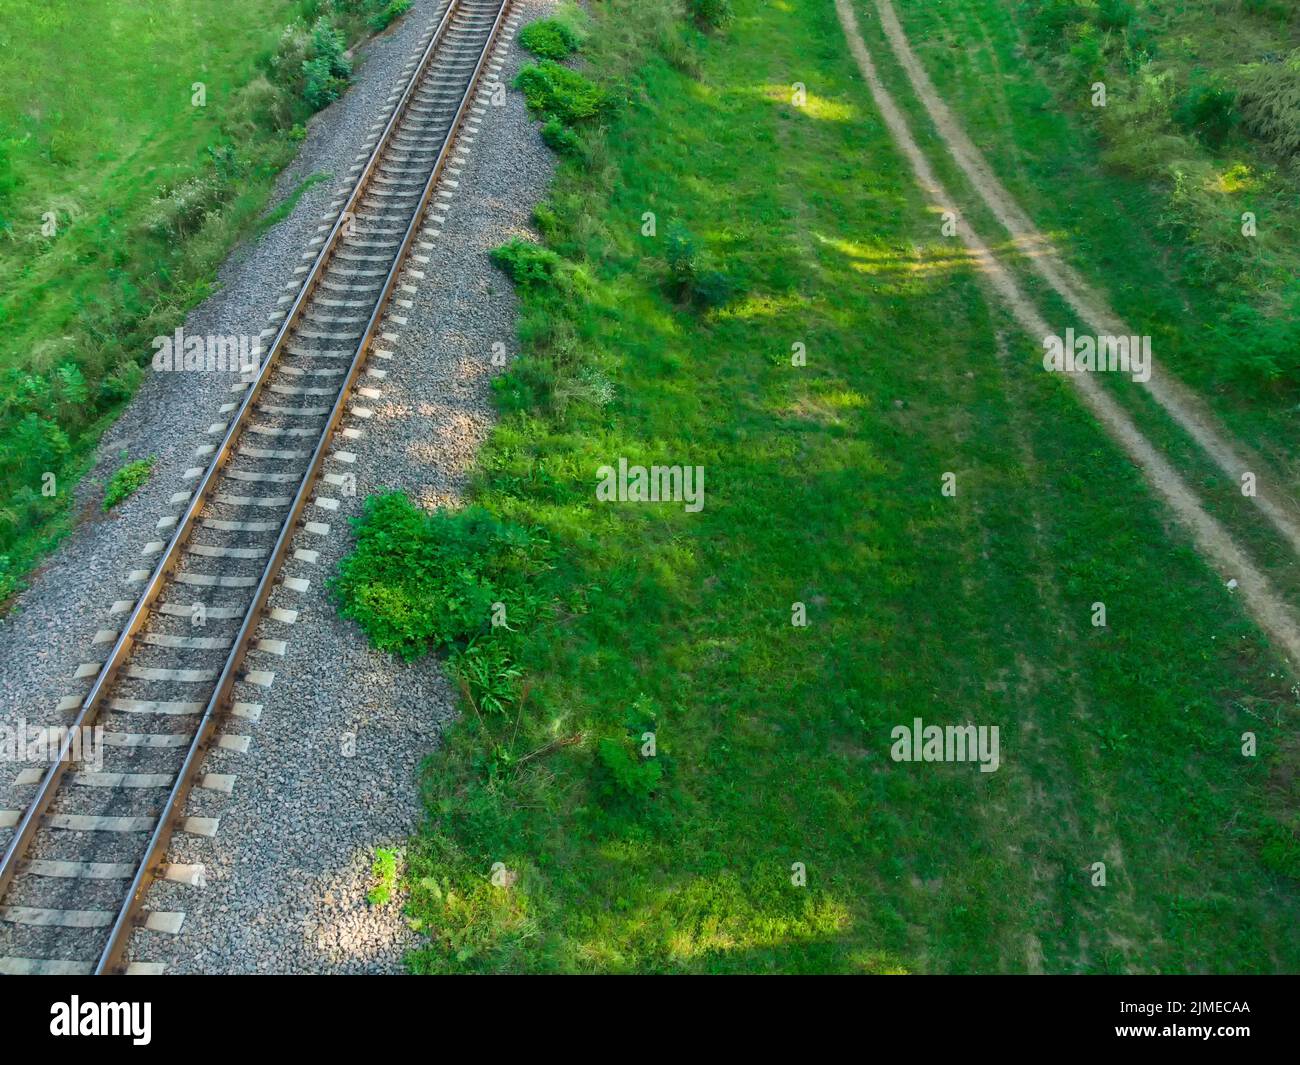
[553, 843]
[138, 144]
[1143, 206]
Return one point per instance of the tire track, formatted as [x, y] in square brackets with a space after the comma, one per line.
[1211, 538]
[1175, 399]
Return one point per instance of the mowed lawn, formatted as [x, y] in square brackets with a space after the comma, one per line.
[1119, 744]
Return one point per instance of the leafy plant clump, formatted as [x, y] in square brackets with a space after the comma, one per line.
[419, 580]
[560, 138]
[553, 90]
[1269, 103]
[329, 68]
[688, 280]
[550, 39]
[384, 871]
[624, 773]
[127, 481]
[1208, 112]
[386, 14]
[528, 265]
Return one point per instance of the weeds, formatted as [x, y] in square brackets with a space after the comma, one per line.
[384, 872]
[128, 480]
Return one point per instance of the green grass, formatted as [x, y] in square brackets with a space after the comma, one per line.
[663, 749]
[1138, 202]
[124, 183]
[285, 208]
[1020, 117]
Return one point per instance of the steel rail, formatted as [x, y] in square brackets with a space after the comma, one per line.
[91, 706]
[111, 960]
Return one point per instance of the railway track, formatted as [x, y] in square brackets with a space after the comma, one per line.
[186, 651]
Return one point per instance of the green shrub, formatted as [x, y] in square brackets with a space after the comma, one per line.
[260, 105]
[713, 288]
[550, 39]
[421, 580]
[327, 71]
[127, 481]
[1257, 349]
[623, 773]
[328, 43]
[560, 138]
[1208, 112]
[528, 265]
[384, 17]
[687, 278]
[179, 210]
[33, 447]
[10, 585]
[552, 89]
[321, 87]
[711, 14]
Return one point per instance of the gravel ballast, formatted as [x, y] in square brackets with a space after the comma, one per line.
[332, 770]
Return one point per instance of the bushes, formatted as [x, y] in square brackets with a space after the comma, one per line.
[384, 15]
[9, 582]
[528, 265]
[553, 90]
[1260, 350]
[1208, 112]
[687, 280]
[327, 71]
[560, 138]
[1051, 20]
[179, 210]
[1114, 14]
[560, 96]
[625, 775]
[550, 39]
[419, 581]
